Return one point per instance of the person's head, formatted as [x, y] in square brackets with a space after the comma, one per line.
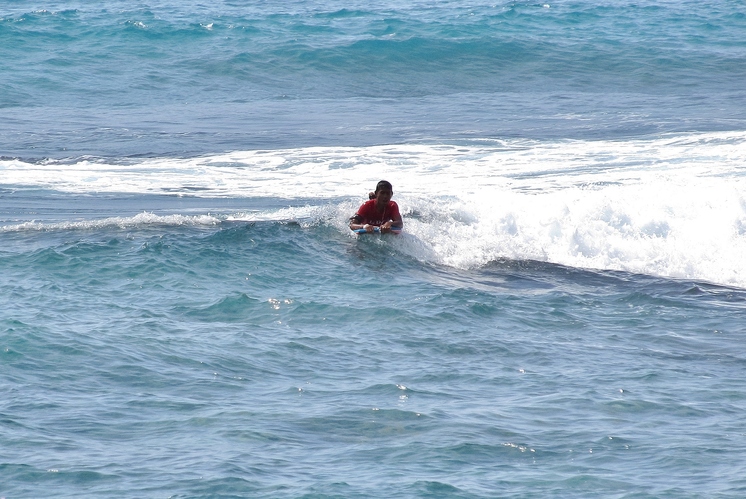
[384, 191]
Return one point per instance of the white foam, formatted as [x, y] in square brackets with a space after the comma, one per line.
[323, 172]
[140, 220]
[658, 228]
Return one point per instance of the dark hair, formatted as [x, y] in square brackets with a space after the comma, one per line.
[384, 184]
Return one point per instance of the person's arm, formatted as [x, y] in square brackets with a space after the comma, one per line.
[356, 223]
[396, 222]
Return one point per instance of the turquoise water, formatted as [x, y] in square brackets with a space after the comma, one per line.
[183, 312]
[184, 78]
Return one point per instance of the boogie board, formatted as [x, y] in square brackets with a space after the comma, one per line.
[376, 230]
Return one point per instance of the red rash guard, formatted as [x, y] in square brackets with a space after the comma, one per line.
[370, 215]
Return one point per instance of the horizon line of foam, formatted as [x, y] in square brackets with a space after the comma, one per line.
[435, 169]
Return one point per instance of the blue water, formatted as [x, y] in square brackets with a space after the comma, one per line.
[184, 78]
[183, 312]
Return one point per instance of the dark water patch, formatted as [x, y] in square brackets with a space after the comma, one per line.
[240, 233]
[363, 425]
[318, 313]
[50, 258]
[439, 489]
[226, 487]
[637, 407]
[169, 405]
[56, 477]
[229, 309]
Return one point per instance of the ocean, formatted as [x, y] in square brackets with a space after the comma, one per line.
[185, 314]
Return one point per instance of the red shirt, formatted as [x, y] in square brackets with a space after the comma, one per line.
[370, 215]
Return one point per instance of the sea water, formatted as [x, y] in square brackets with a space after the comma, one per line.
[184, 313]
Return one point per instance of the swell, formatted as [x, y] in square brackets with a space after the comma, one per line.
[507, 46]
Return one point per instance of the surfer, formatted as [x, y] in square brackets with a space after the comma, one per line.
[379, 211]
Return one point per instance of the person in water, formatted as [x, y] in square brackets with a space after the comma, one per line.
[379, 211]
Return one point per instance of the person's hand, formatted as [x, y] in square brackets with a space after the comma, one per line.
[368, 228]
[386, 227]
